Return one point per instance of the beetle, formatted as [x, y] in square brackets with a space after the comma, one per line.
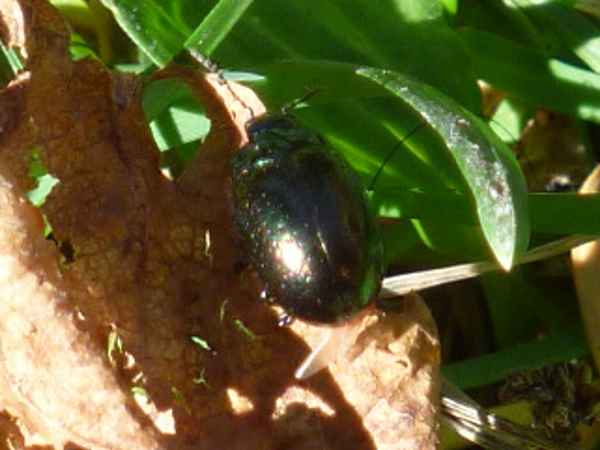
[302, 214]
[303, 217]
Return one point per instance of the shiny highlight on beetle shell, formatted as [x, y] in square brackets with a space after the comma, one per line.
[302, 215]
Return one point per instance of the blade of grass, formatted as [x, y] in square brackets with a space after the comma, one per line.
[10, 64]
[403, 284]
[216, 26]
[488, 369]
[158, 28]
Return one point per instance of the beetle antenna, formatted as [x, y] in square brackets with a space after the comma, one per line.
[209, 66]
[413, 131]
[391, 154]
[285, 109]
[506, 130]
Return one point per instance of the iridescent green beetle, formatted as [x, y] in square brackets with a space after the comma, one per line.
[302, 214]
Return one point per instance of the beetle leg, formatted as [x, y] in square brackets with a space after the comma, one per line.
[285, 320]
[334, 342]
[321, 356]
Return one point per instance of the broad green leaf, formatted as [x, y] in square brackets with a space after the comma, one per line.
[411, 36]
[505, 300]
[549, 213]
[565, 213]
[174, 115]
[454, 207]
[161, 94]
[515, 294]
[503, 19]
[531, 77]
[488, 166]
[572, 29]
[396, 248]
[509, 119]
[178, 126]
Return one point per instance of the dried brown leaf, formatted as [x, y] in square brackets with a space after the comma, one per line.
[552, 152]
[154, 263]
[585, 261]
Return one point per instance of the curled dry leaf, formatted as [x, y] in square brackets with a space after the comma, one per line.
[152, 264]
[585, 261]
[552, 153]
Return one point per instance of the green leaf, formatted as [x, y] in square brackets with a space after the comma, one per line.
[179, 125]
[451, 6]
[573, 30]
[504, 298]
[422, 161]
[79, 48]
[491, 368]
[509, 119]
[409, 203]
[44, 181]
[10, 64]
[411, 36]
[175, 116]
[530, 76]
[161, 94]
[488, 166]
[280, 82]
[216, 26]
[503, 19]
[539, 309]
[93, 25]
[158, 28]
[568, 213]
[163, 29]
[549, 213]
